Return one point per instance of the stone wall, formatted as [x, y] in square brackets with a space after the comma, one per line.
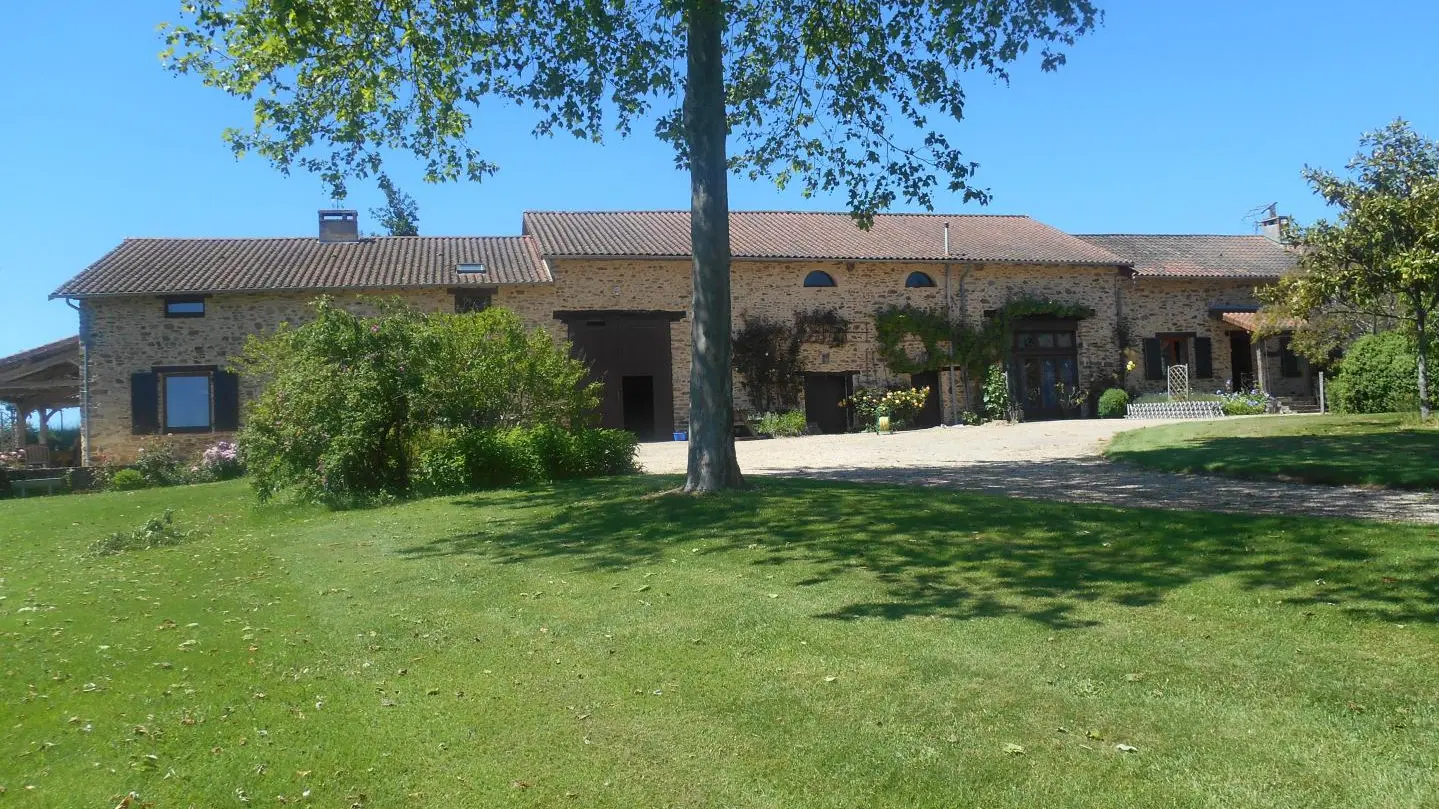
[129, 334]
[1154, 305]
[775, 290]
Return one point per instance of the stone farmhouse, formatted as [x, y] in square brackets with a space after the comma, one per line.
[160, 318]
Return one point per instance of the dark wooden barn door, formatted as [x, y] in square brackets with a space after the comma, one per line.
[629, 353]
[822, 396]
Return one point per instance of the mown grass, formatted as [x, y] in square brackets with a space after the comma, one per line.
[801, 644]
[1388, 449]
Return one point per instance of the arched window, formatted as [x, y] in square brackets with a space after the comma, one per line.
[918, 279]
[819, 278]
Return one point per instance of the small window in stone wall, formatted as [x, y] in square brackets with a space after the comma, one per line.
[918, 280]
[184, 307]
[476, 300]
[194, 399]
[819, 278]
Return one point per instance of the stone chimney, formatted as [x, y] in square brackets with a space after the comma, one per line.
[339, 226]
[1273, 225]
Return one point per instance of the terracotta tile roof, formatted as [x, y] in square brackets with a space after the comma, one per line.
[1251, 321]
[832, 236]
[1198, 256]
[164, 266]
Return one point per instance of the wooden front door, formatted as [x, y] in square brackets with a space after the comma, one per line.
[1044, 373]
[822, 396]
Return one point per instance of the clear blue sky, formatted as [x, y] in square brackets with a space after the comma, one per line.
[1173, 117]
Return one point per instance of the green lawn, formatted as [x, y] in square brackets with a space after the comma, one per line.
[1389, 449]
[803, 644]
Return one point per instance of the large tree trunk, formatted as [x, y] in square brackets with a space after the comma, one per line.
[1421, 317]
[712, 463]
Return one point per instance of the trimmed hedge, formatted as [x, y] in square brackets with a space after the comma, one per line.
[450, 461]
[127, 480]
[1113, 404]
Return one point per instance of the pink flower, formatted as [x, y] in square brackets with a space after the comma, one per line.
[374, 328]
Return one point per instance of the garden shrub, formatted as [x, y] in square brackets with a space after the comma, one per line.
[221, 462]
[903, 404]
[4, 483]
[786, 424]
[1379, 374]
[1252, 403]
[159, 463]
[997, 401]
[350, 402]
[127, 480]
[605, 452]
[900, 404]
[453, 460]
[969, 418]
[1113, 404]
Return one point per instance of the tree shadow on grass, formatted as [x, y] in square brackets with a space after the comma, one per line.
[959, 555]
[1408, 459]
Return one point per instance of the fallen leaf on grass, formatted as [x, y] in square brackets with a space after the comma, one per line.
[1014, 749]
[1126, 748]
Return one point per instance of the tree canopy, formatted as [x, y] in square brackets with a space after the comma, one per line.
[400, 215]
[1380, 256]
[833, 96]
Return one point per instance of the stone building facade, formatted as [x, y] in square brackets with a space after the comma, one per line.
[161, 319]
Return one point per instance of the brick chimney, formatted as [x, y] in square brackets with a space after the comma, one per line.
[339, 226]
[1273, 224]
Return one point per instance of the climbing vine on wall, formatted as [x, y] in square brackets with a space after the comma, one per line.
[823, 326]
[767, 359]
[945, 342]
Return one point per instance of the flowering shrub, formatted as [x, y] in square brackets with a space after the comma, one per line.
[1252, 403]
[159, 463]
[14, 459]
[221, 462]
[900, 404]
[904, 404]
[865, 403]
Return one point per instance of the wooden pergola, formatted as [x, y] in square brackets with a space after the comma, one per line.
[41, 380]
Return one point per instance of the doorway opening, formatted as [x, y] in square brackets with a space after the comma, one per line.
[822, 396]
[637, 402]
[1241, 360]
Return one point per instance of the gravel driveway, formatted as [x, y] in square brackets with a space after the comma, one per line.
[1053, 460]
